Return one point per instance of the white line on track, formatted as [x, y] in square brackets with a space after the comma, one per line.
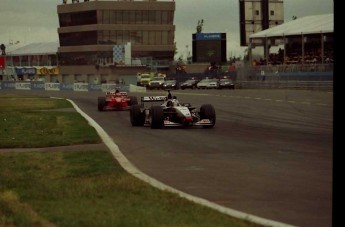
[256, 98]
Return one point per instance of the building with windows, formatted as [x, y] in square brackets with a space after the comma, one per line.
[91, 33]
[259, 15]
[32, 62]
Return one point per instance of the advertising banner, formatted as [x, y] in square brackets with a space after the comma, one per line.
[37, 85]
[23, 86]
[95, 87]
[81, 87]
[25, 71]
[8, 85]
[52, 86]
[66, 87]
[110, 87]
[208, 36]
[47, 70]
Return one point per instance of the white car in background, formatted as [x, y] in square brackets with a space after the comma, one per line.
[208, 84]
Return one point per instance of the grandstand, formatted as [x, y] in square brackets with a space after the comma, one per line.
[303, 40]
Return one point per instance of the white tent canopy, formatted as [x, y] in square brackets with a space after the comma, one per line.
[36, 49]
[315, 24]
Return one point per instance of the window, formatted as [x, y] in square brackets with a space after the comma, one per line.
[132, 37]
[106, 36]
[125, 37]
[112, 17]
[79, 18]
[106, 17]
[164, 38]
[164, 17]
[119, 37]
[118, 18]
[139, 17]
[152, 17]
[158, 38]
[272, 13]
[257, 12]
[139, 37]
[145, 37]
[152, 36]
[145, 17]
[158, 17]
[131, 19]
[113, 36]
[170, 17]
[78, 38]
[125, 17]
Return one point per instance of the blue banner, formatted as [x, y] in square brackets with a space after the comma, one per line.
[208, 36]
[8, 85]
[66, 87]
[37, 85]
[26, 71]
[95, 87]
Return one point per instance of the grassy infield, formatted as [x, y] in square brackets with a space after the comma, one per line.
[77, 188]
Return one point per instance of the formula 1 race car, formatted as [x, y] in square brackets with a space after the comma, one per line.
[171, 113]
[116, 100]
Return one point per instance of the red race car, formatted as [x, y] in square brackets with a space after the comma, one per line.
[116, 100]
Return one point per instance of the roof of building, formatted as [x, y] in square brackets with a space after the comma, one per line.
[315, 24]
[35, 49]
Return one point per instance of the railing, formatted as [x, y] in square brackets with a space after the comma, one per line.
[285, 84]
[307, 76]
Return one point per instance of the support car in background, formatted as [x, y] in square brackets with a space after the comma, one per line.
[208, 83]
[226, 83]
[116, 100]
[156, 83]
[190, 83]
[170, 85]
[166, 111]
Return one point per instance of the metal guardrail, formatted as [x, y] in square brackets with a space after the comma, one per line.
[286, 84]
[310, 76]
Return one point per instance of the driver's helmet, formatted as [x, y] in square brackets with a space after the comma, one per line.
[174, 102]
[169, 103]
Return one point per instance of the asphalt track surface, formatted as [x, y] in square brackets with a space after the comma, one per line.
[269, 154]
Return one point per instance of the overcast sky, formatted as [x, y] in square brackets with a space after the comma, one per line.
[29, 21]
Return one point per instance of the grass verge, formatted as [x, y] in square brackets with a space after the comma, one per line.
[39, 122]
[82, 188]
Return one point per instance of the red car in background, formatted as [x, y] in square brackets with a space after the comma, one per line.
[116, 100]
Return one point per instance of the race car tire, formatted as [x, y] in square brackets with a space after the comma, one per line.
[136, 116]
[132, 100]
[101, 103]
[157, 117]
[207, 111]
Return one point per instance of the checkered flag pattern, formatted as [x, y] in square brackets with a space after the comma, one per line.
[118, 53]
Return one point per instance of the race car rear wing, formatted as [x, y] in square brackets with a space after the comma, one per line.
[113, 93]
[150, 99]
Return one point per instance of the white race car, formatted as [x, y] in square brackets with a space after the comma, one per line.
[170, 113]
